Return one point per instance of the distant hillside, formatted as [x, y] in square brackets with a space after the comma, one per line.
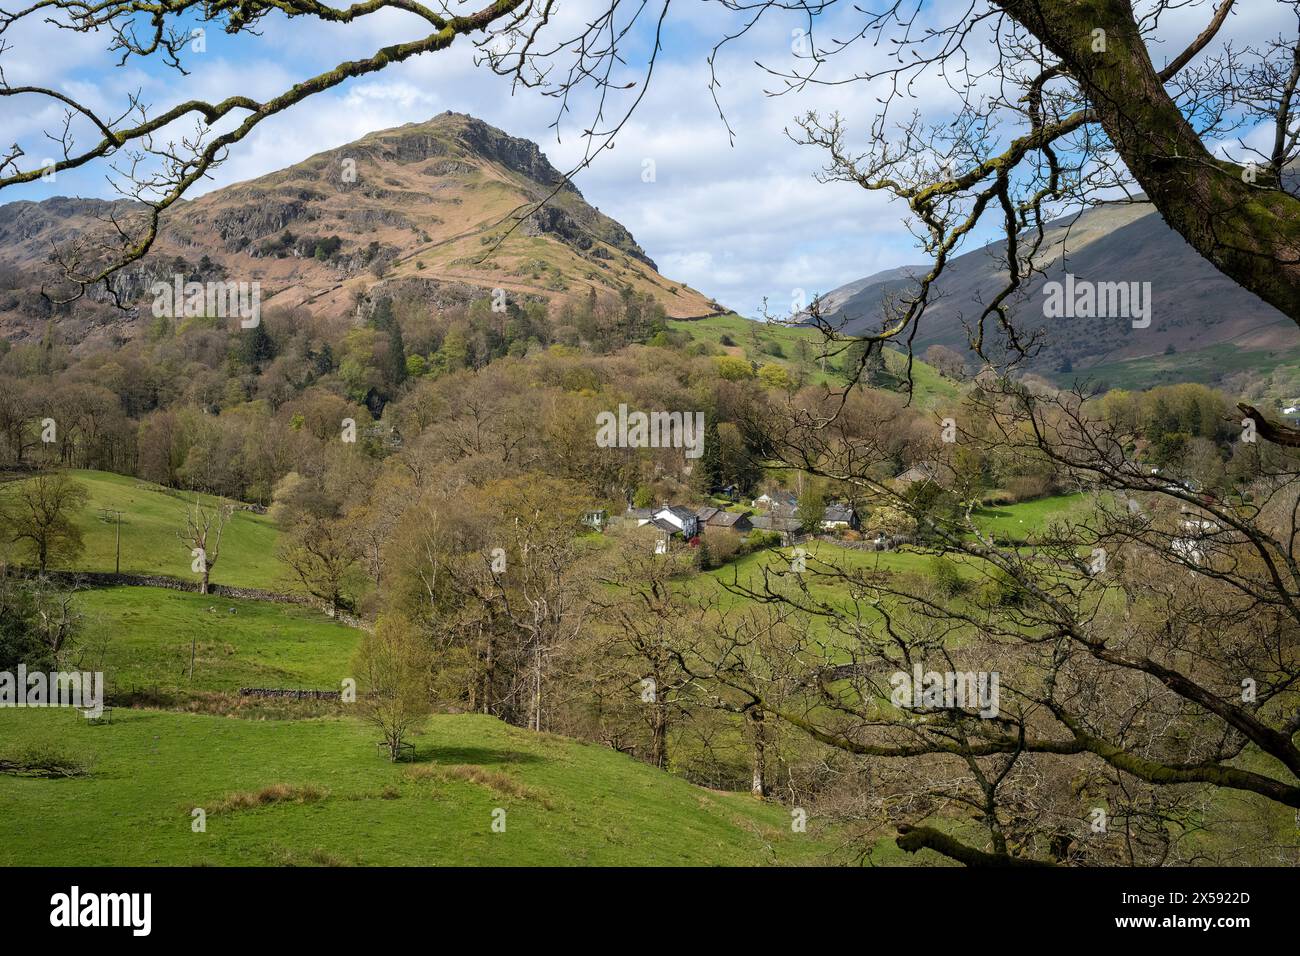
[413, 210]
[798, 350]
[1194, 307]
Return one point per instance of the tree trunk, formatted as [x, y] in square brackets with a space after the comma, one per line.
[659, 732]
[1249, 233]
[489, 674]
[758, 784]
[537, 687]
[203, 582]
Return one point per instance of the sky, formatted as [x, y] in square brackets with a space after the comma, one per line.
[742, 220]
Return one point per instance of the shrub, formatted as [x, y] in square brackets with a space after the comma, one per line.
[42, 760]
[733, 369]
[1029, 487]
[758, 540]
[947, 579]
[718, 548]
[1001, 590]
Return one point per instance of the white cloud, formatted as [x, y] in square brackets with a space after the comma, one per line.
[739, 221]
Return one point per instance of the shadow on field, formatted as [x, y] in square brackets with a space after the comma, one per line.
[472, 755]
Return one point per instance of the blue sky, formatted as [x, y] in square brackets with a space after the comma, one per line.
[739, 222]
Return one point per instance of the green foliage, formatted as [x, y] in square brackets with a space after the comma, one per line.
[1000, 590]
[774, 376]
[254, 346]
[946, 577]
[326, 249]
[37, 627]
[39, 516]
[395, 664]
[706, 472]
[811, 509]
[454, 354]
[733, 369]
[759, 540]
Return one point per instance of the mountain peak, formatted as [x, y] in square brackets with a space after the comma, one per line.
[461, 136]
[426, 210]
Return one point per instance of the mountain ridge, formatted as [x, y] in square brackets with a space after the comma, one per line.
[1194, 306]
[446, 209]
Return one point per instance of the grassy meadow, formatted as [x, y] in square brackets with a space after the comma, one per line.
[152, 519]
[314, 792]
[1030, 518]
[142, 637]
[308, 786]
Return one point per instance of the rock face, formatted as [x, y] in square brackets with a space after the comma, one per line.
[449, 205]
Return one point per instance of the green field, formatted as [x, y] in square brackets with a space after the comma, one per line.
[822, 559]
[1019, 521]
[1209, 366]
[152, 518]
[756, 341]
[753, 339]
[145, 635]
[566, 802]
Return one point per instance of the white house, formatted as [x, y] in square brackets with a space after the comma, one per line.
[838, 517]
[671, 521]
[686, 521]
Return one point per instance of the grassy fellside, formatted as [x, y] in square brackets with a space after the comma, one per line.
[142, 637]
[151, 520]
[314, 791]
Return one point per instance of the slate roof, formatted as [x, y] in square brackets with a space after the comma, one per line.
[726, 519]
[915, 473]
[838, 512]
[774, 523]
[685, 514]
